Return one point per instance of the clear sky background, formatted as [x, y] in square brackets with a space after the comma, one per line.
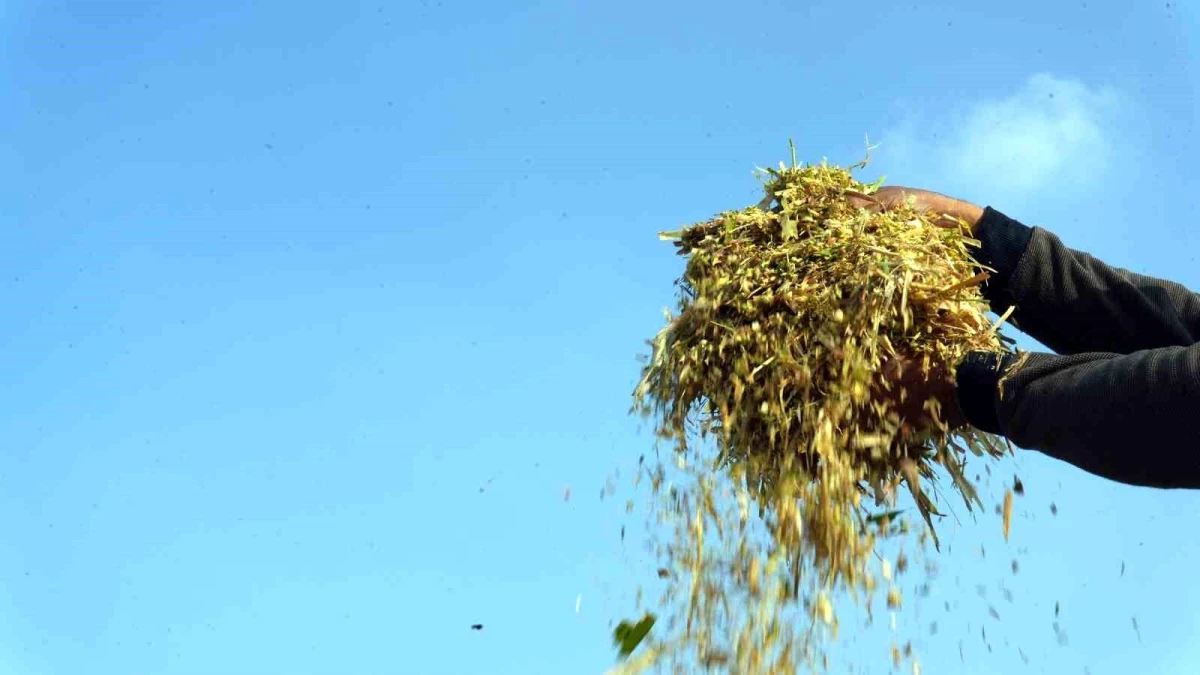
[312, 312]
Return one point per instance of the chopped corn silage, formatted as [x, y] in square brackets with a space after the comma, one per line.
[767, 383]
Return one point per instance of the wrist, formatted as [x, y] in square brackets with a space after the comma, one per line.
[962, 210]
[977, 379]
[971, 215]
[1002, 244]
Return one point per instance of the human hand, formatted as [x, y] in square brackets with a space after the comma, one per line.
[949, 209]
[909, 388]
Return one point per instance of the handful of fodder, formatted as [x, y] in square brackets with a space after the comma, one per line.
[788, 310]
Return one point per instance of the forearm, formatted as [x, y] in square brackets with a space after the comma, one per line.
[1074, 303]
[1125, 417]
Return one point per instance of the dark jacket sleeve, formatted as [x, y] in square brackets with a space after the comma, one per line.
[1117, 398]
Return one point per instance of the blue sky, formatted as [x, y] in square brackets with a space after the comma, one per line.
[316, 310]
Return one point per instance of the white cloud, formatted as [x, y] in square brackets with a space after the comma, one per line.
[1051, 132]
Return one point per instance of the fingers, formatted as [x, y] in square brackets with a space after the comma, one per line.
[893, 195]
[894, 369]
[946, 212]
[863, 201]
[885, 196]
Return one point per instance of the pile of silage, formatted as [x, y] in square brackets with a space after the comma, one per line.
[788, 312]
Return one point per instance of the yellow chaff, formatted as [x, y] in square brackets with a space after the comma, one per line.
[768, 380]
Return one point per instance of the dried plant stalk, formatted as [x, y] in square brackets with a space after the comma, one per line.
[787, 312]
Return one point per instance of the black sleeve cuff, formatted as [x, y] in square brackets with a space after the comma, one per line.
[1002, 243]
[976, 388]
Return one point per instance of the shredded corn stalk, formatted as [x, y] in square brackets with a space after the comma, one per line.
[767, 383]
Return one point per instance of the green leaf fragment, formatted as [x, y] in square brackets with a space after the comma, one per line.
[627, 636]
